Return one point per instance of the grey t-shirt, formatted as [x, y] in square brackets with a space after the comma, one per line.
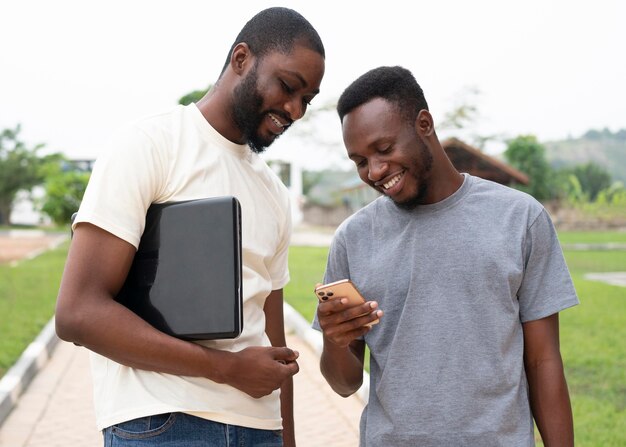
[455, 280]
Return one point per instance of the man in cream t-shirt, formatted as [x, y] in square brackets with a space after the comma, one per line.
[149, 386]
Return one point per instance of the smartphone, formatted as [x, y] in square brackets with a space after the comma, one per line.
[344, 288]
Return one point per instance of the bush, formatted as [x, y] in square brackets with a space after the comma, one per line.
[64, 192]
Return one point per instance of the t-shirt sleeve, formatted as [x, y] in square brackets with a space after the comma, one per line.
[547, 286]
[127, 177]
[336, 267]
[337, 263]
[279, 268]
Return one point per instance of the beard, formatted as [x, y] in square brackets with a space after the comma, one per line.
[247, 112]
[425, 161]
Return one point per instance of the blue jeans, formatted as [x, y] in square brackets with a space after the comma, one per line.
[183, 430]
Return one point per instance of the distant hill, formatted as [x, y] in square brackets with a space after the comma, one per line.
[602, 147]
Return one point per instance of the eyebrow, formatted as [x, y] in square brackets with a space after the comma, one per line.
[352, 156]
[302, 80]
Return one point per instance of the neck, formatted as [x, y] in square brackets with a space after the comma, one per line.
[218, 113]
[445, 179]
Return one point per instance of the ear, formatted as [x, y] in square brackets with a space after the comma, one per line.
[240, 58]
[424, 124]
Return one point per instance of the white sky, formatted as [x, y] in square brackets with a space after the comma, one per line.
[71, 72]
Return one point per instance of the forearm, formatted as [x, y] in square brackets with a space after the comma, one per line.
[286, 409]
[550, 403]
[342, 368]
[113, 331]
[275, 329]
[87, 313]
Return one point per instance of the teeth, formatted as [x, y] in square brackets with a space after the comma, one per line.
[393, 181]
[278, 123]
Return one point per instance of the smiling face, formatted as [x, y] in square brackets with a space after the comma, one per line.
[388, 153]
[274, 93]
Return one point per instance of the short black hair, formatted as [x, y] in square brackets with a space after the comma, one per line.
[277, 29]
[394, 84]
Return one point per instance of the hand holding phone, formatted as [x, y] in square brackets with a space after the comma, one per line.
[343, 288]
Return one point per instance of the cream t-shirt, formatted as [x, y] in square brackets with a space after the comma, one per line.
[178, 156]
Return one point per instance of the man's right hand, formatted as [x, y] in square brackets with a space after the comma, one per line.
[258, 371]
[341, 324]
[343, 355]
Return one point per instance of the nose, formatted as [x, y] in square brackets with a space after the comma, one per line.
[376, 170]
[295, 108]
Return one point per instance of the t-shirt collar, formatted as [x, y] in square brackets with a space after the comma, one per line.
[210, 133]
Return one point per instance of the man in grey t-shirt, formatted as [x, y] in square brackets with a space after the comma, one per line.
[467, 278]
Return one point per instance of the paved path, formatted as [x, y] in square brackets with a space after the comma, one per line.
[613, 278]
[56, 410]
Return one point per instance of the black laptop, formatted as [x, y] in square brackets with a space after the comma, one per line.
[186, 277]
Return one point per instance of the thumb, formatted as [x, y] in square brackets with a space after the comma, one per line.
[285, 354]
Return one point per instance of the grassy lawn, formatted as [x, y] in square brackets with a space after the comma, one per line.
[592, 237]
[306, 266]
[593, 344]
[27, 297]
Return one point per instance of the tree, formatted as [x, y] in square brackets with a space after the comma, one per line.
[193, 96]
[463, 113]
[529, 156]
[64, 192]
[20, 169]
[593, 178]
[460, 121]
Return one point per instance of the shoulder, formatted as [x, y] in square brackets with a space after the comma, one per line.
[270, 176]
[504, 199]
[269, 180]
[162, 125]
[498, 190]
[362, 221]
[152, 131]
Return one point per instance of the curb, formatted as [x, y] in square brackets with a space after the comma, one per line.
[35, 356]
[17, 379]
[296, 322]
[52, 245]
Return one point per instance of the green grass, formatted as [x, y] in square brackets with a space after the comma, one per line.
[306, 266]
[46, 229]
[580, 262]
[592, 237]
[27, 298]
[593, 344]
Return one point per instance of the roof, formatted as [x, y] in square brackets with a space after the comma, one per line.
[466, 158]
